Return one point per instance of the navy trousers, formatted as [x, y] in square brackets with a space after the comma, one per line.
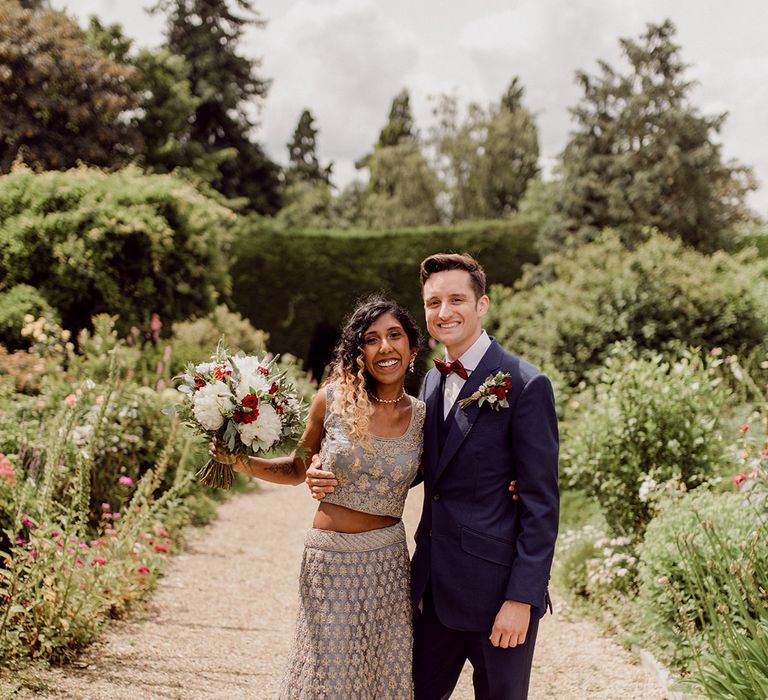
[439, 654]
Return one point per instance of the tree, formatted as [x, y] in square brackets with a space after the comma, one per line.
[510, 154]
[62, 101]
[163, 119]
[398, 129]
[207, 34]
[487, 159]
[302, 154]
[402, 190]
[399, 126]
[642, 156]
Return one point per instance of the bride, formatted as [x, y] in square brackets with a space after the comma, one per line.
[353, 635]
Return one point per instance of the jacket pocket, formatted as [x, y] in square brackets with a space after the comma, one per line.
[493, 549]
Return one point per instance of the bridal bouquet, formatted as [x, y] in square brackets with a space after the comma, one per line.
[244, 402]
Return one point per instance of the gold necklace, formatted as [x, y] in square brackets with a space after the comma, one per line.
[376, 398]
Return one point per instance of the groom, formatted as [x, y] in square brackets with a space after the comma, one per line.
[480, 570]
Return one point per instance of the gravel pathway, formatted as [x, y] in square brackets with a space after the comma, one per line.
[220, 623]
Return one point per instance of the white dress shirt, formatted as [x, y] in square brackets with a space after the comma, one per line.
[470, 359]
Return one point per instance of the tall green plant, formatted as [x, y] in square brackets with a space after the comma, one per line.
[653, 425]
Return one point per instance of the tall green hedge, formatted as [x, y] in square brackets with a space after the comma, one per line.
[121, 243]
[300, 286]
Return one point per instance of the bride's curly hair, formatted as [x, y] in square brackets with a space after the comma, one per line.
[349, 378]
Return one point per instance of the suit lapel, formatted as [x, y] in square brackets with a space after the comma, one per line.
[433, 414]
[460, 420]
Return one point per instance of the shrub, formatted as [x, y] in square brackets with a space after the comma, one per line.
[593, 567]
[18, 302]
[569, 311]
[678, 547]
[193, 340]
[652, 424]
[120, 243]
[299, 286]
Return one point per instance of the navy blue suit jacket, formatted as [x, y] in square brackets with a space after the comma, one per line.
[476, 545]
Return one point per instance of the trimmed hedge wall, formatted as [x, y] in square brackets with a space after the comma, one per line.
[300, 286]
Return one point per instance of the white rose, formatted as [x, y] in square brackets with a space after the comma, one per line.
[264, 432]
[212, 404]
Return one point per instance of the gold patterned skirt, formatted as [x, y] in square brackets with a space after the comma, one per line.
[354, 635]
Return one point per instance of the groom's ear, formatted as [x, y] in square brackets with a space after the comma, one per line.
[482, 305]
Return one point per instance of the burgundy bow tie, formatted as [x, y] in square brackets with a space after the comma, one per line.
[445, 368]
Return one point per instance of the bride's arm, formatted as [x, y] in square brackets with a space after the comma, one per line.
[282, 470]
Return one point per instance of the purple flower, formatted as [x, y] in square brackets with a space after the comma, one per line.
[20, 541]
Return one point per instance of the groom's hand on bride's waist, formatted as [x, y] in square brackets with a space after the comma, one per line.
[319, 481]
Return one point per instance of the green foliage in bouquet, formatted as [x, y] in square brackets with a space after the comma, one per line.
[702, 566]
[571, 309]
[121, 243]
[652, 427]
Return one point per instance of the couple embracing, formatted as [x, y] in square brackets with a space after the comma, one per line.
[372, 625]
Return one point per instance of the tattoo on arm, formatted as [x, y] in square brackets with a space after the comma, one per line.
[280, 468]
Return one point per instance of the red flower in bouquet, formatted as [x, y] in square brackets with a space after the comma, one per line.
[222, 371]
[251, 402]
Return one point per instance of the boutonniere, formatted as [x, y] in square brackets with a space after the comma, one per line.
[492, 391]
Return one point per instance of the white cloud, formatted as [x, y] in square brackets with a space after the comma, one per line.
[346, 59]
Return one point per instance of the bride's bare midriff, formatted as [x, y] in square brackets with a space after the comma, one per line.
[329, 516]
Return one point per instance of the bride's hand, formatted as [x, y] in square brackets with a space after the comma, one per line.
[220, 453]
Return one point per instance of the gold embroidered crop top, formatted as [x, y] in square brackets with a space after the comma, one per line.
[374, 478]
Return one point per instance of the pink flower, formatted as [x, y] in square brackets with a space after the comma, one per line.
[116, 516]
[34, 554]
[125, 481]
[6, 469]
[744, 428]
[161, 547]
[79, 562]
[106, 506]
[739, 479]
[764, 453]
[71, 400]
[20, 541]
[98, 562]
[26, 522]
[99, 400]
[143, 570]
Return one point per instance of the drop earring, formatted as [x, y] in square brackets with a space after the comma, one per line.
[412, 364]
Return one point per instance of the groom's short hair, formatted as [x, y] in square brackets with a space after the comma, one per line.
[440, 262]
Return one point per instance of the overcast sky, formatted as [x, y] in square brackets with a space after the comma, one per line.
[346, 59]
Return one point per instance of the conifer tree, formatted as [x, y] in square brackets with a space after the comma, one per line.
[208, 34]
[642, 156]
[302, 154]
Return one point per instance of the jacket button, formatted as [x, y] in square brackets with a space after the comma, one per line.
[430, 533]
[436, 497]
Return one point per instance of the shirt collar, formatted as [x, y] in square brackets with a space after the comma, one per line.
[474, 353]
